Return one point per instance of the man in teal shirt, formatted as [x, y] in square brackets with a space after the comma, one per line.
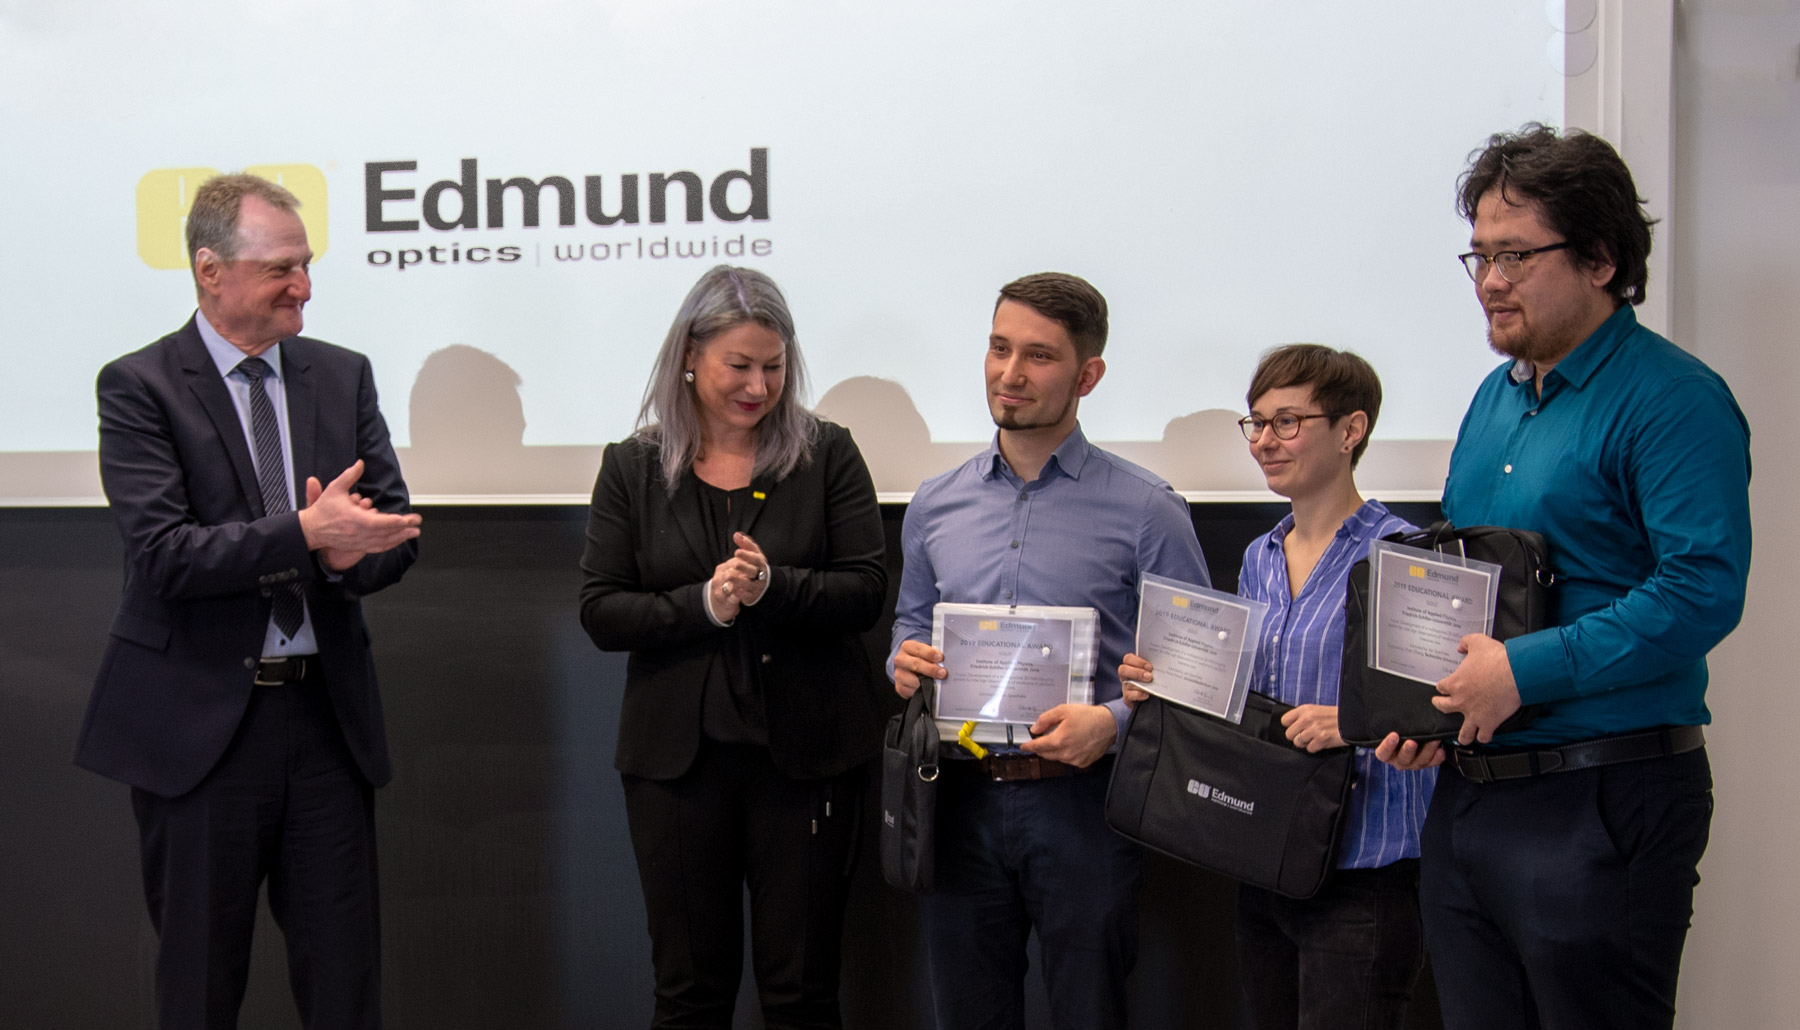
[1558, 859]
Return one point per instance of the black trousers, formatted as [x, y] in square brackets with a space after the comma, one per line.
[287, 804]
[732, 820]
[1562, 901]
[1346, 958]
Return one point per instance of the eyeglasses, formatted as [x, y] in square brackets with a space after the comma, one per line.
[1511, 262]
[1286, 425]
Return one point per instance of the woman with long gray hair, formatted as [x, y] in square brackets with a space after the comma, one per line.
[735, 548]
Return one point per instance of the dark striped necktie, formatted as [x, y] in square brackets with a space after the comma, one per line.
[271, 476]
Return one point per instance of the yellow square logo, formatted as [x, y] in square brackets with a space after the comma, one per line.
[165, 195]
[1416, 571]
[1180, 602]
[990, 623]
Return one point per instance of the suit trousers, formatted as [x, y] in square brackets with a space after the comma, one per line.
[285, 803]
[1014, 856]
[1562, 901]
[1346, 958]
[731, 821]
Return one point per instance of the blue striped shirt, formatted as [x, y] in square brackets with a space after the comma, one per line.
[1298, 660]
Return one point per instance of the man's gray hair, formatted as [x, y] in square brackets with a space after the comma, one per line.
[213, 220]
[725, 298]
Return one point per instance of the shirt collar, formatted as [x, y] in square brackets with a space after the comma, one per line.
[1070, 456]
[225, 354]
[1359, 523]
[1587, 357]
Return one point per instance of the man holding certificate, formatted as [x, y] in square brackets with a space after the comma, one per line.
[1558, 860]
[1350, 954]
[1041, 519]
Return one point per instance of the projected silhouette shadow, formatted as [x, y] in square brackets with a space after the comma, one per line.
[894, 439]
[467, 424]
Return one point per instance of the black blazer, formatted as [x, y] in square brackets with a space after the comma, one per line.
[645, 574]
[201, 557]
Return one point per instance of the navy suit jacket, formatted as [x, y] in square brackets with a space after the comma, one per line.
[645, 573]
[202, 557]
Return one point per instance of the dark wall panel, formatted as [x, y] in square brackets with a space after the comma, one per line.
[509, 892]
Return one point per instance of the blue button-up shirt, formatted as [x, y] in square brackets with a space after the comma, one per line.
[1082, 533]
[1299, 658]
[1635, 465]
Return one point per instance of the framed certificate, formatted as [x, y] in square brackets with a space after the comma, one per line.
[1422, 603]
[1008, 664]
[1201, 642]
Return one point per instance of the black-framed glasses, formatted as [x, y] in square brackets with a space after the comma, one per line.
[1510, 262]
[1286, 424]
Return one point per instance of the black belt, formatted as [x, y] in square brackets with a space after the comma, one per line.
[1488, 766]
[275, 672]
[1008, 766]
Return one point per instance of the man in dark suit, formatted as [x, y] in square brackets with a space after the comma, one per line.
[237, 695]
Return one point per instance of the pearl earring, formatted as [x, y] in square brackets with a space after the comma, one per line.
[688, 376]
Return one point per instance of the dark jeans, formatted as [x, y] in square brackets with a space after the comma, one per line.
[732, 820]
[1562, 901]
[1011, 856]
[285, 803]
[1347, 957]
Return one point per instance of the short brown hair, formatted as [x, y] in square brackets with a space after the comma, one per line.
[1342, 383]
[213, 221]
[1584, 190]
[1068, 300]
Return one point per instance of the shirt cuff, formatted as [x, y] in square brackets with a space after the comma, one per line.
[706, 601]
[1540, 666]
[1121, 713]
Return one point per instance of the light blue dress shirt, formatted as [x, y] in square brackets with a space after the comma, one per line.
[1083, 533]
[1299, 659]
[226, 357]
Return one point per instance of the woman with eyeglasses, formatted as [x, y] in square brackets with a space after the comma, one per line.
[1350, 955]
[735, 548]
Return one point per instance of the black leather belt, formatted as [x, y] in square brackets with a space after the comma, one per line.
[275, 672]
[1008, 766]
[1488, 766]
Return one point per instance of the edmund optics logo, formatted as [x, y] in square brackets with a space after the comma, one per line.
[1208, 792]
[165, 195]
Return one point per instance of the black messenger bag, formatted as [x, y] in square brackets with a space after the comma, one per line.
[1371, 703]
[1237, 799]
[909, 772]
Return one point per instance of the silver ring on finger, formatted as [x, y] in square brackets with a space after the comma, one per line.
[726, 590]
[762, 573]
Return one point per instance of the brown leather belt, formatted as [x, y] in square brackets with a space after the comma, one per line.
[1488, 766]
[1008, 766]
[276, 672]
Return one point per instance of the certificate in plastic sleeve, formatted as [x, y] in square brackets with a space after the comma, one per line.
[1200, 642]
[1422, 603]
[1007, 665]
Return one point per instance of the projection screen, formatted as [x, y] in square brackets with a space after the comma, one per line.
[508, 203]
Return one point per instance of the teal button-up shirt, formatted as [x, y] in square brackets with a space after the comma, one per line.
[1635, 466]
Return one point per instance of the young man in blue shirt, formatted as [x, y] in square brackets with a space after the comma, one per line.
[1042, 517]
[1558, 860]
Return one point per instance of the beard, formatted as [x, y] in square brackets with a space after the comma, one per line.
[1537, 344]
[1014, 419]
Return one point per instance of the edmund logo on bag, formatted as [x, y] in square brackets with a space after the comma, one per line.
[1207, 792]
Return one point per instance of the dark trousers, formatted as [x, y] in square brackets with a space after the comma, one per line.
[285, 803]
[1346, 958]
[1562, 901]
[1011, 856]
[732, 820]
